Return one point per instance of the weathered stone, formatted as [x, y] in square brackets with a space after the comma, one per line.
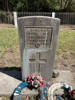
[64, 76]
[8, 83]
[38, 37]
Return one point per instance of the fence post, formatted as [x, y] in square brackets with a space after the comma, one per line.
[53, 14]
[15, 19]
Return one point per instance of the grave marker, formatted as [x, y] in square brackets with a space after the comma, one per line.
[38, 37]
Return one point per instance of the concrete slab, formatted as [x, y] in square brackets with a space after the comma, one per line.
[8, 83]
[9, 79]
[64, 76]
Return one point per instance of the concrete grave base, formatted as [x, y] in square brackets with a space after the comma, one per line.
[64, 76]
[9, 80]
[8, 83]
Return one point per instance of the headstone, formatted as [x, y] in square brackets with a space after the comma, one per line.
[38, 37]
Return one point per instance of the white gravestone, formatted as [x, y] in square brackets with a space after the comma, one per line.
[38, 38]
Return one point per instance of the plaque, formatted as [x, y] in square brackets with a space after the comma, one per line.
[37, 37]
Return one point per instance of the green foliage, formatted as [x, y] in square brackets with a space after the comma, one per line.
[52, 4]
[19, 6]
[37, 5]
[73, 5]
[2, 13]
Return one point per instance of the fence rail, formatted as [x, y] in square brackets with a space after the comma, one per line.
[66, 18]
[21, 14]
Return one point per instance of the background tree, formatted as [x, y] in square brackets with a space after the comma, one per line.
[37, 5]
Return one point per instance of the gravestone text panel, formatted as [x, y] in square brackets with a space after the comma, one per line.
[38, 37]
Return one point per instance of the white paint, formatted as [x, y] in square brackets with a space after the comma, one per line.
[15, 19]
[53, 14]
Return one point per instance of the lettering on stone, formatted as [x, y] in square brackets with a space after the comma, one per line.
[37, 37]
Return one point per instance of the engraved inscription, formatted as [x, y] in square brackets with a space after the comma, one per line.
[37, 37]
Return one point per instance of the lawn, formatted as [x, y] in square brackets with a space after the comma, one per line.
[9, 46]
[66, 40]
[8, 38]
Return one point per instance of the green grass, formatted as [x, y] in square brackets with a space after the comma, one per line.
[1, 56]
[73, 54]
[65, 56]
[66, 65]
[66, 40]
[9, 38]
[3, 98]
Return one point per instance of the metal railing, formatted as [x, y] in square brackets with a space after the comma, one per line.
[65, 17]
[21, 14]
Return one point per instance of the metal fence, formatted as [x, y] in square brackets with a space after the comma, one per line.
[66, 18]
[21, 14]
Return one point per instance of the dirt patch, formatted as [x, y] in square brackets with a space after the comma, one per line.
[67, 27]
[64, 61]
[7, 26]
[70, 27]
[11, 58]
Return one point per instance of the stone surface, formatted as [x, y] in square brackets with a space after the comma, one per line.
[9, 81]
[64, 76]
[38, 38]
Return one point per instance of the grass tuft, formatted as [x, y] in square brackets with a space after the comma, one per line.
[65, 56]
